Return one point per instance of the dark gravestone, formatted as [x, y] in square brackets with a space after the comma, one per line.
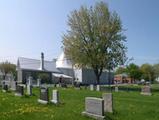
[5, 88]
[63, 85]
[19, 91]
[77, 86]
[44, 96]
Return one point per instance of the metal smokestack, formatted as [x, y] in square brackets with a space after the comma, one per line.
[42, 61]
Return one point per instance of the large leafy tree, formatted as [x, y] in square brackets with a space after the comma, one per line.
[156, 70]
[7, 67]
[95, 38]
[147, 72]
[134, 71]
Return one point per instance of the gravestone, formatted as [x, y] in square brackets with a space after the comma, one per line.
[92, 87]
[64, 85]
[29, 90]
[98, 88]
[116, 89]
[13, 85]
[5, 88]
[94, 107]
[29, 86]
[77, 85]
[108, 102]
[39, 82]
[146, 90]
[55, 97]
[44, 96]
[19, 91]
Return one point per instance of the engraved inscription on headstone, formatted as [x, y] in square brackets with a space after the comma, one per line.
[108, 102]
[94, 107]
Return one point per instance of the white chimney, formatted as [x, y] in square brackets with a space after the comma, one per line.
[42, 61]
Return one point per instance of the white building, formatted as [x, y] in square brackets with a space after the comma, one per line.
[61, 67]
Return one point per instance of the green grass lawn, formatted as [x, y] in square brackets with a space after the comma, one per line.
[127, 106]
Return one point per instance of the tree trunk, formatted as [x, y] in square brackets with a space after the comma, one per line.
[98, 74]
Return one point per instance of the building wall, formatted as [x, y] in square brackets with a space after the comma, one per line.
[88, 77]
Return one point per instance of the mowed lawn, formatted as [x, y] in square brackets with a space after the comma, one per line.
[127, 106]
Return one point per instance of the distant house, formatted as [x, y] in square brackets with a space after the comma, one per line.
[29, 67]
[59, 68]
[122, 78]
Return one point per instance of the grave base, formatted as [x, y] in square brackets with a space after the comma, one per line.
[17, 94]
[97, 117]
[42, 101]
[54, 101]
[4, 91]
[142, 93]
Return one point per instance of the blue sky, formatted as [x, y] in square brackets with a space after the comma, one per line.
[29, 27]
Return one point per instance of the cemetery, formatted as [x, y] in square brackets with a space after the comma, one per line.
[89, 76]
[84, 104]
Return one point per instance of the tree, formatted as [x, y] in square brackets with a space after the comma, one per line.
[134, 71]
[95, 39]
[120, 70]
[7, 67]
[147, 72]
[156, 70]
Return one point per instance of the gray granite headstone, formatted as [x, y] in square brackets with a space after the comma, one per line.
[92, 87]
[146, 90]
[55, 97]
[108, 102]
[13, 85]
[44, 96]
[19, 91]
[94, 107]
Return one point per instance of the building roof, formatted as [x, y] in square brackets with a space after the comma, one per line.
[33, 64]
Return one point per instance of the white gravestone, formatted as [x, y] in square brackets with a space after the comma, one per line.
[116, 89]
[13, 85]
[108, 102]
[39, 82]
[94, 107]
[55, 97]
[29, 86]
[92, 87]
[98, 88]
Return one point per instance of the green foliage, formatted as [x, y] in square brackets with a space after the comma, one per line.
[95, 38]
[134, 71]
[7, 67]
[44, 77]
[156, 70]
[121, 70]
[147, 72]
